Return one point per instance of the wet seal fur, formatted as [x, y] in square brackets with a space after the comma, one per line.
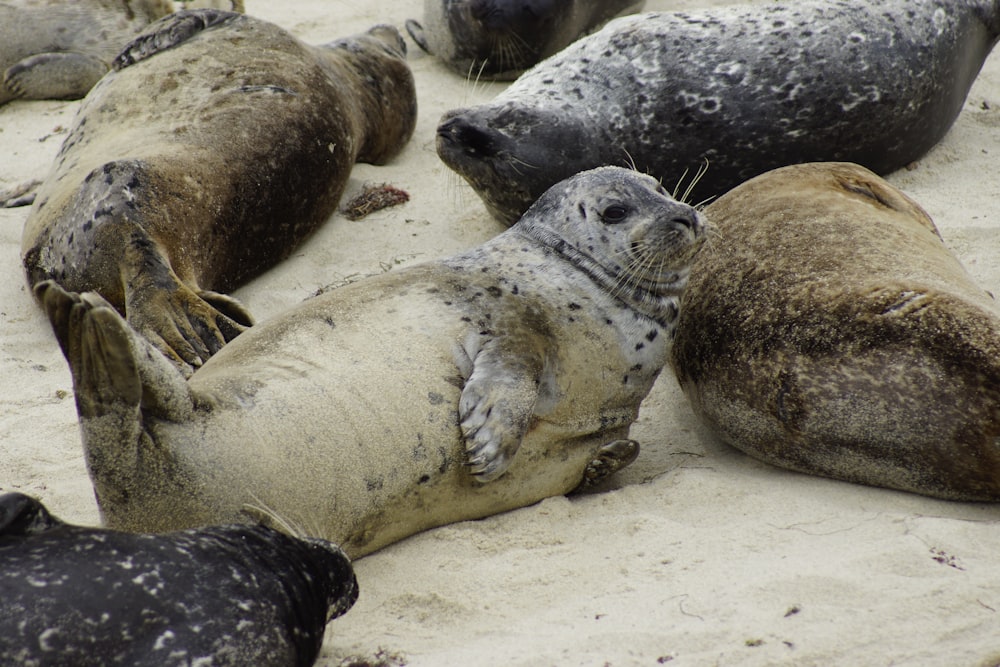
[499, 39]
[398, 403]
[225, 595]
[827, 329]
[58, 49]
[216, 146]
[745, 88]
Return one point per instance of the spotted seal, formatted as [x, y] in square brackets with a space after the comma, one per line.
[217, 144]
[223, 595]
[828, 329]
[398, 403]
[743, 88]
[499, 39]
[54, 49]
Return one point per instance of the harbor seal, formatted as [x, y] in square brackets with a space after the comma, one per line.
[499, 39]
[826, 328]
[743, 88]
[215, 147]
[223, 595]
[439, 392]
[55, 49]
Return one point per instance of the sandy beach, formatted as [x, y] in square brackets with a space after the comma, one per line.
[699, 555]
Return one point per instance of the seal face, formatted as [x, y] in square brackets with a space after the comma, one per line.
[743, 88]
[827, 329]
[440, 392]
[499, 39]
[223, 595]
[237, 148]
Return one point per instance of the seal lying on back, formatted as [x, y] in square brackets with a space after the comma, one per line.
[827, 329]
[215, 147]
[58, 49]
[499, 39]
[226, 595]
[745, 88]
[360, 414]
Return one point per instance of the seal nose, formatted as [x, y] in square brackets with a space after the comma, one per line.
[459, 131]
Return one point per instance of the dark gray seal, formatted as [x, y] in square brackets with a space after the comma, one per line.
[743, 88]
[827, 329]
[217, 144]
[499, 39]
[435, 393]
[58, 49]
[72, 596]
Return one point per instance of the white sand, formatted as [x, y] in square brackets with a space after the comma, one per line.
[701, 557]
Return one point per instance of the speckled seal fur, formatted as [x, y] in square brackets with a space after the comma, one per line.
[745, 88]
[73, 596]
[435, 393]
[499, 39]
[826, 328]
[215, 147]
[58, 49]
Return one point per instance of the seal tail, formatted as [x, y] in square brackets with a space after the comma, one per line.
[119, 380]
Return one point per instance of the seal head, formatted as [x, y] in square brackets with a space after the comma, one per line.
[499, 39]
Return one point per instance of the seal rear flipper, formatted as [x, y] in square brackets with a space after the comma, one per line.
[173, 317]
[121, 382]
[170, 31]
[54, 76]
[115, 371]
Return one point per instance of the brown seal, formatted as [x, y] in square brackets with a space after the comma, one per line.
[215, 147]
[827, 329]
[435, 393]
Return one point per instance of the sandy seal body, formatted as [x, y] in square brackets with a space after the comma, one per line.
[827, 329]
[216, 146]
[223, 595]
[499, 39]
[55, 49]
[745, 88]
[436, 393]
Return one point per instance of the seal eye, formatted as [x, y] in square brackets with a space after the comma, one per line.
[614, 214]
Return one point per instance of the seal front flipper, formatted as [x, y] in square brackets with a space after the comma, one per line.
[170, 31]
[417, 34]
[54, 76]
[610, 458]
[120, 381]
[497, 404]
[22, 194]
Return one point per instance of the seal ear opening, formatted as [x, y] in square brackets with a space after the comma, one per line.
[417, 35]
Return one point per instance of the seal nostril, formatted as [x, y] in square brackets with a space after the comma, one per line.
[683, 221]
